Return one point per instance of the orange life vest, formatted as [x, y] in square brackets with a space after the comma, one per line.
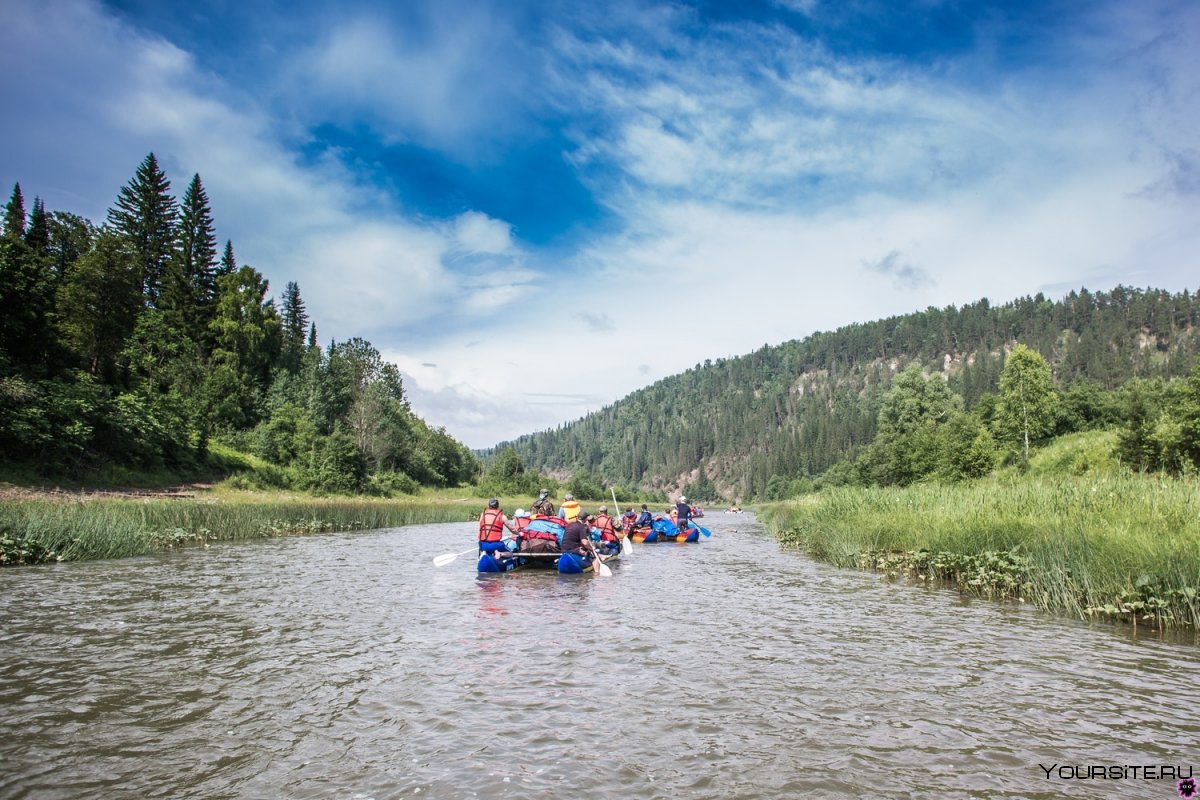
[608, 531]
[491, 525]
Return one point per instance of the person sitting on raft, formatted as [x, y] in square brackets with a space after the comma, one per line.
[606, 524]
[542, 507]
[627, 519]
[577, 538]
[569, 510]
[492, 523]
[644, 518]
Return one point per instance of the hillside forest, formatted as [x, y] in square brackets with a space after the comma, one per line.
[137, 349]
[944, 395]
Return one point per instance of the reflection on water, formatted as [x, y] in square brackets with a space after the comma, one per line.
[344, 666]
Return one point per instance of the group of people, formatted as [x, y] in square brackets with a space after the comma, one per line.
[680, 515]
[544, 530]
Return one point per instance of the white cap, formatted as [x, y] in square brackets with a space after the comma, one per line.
[682, 499]
[521, 513]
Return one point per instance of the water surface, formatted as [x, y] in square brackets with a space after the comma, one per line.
[347, 666]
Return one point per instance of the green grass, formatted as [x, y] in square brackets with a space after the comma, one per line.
[63, 529]
[1122, 546]
[74, 527]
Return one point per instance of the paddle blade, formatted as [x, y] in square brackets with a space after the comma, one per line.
[626, 545]
[601, 569]
[444, 559]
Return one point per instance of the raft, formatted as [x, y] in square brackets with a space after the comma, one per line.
[663, 530]
[564, 563]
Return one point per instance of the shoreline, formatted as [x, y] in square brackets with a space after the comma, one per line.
[1109, 548]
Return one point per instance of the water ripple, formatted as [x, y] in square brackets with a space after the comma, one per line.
[338, 666]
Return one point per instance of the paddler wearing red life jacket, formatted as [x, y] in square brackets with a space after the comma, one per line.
[606, 524]
[492, 523]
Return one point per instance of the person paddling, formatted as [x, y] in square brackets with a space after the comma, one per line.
[492, 523]
[577, 538]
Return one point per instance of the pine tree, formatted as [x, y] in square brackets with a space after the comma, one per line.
[26, 288]
[228, 264]
[295, 323]
[145, 215]
[14, 214]
[38, 234]
[193, 283]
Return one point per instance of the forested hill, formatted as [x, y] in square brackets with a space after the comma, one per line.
[797, 408]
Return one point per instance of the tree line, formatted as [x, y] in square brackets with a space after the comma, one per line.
[912, 397]
[137, 343]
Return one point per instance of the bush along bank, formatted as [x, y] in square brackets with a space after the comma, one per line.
[1121, 548]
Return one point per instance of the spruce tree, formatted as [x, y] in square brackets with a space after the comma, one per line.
[145, 215]
[14, 214]
[295, 324]
[228, 264]
[194, 270]
[38, 234]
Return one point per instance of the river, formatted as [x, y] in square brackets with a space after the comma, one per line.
[348, 666]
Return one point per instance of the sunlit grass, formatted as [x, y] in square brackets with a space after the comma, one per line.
[76, 528]
[1123, 546]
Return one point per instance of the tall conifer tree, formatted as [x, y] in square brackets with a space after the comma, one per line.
[145, 215]
[295, 324]
[228, 264]
[14, 214]
[194, 270]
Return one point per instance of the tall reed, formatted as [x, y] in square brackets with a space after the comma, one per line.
[1124, 546]
[37, 530]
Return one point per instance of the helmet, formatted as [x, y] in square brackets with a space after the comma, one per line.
[568, 496]
[603, 509]
[493, 503]
[543, 494]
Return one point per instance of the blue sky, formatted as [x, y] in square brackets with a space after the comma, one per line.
[534, 208]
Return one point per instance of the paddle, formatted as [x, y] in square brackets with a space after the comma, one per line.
[626, 540]
[598, 566]
[446, 558]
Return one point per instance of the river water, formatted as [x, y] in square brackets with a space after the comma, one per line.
[348, 666]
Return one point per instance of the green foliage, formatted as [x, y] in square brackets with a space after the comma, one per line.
[1028, 401]
[145, 216]
[124, 351]
[506, 475]
[1075, 544]
[586, 486]
[798, 408]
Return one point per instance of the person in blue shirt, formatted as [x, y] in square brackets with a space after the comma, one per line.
[683, 512]
[643, 518]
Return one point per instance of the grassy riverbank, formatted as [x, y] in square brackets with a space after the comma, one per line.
[1116, 546]
[36, 528]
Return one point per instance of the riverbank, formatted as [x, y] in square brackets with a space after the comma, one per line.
[41, 525]
[1121, 547]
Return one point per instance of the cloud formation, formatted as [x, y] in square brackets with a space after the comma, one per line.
[703, 179]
